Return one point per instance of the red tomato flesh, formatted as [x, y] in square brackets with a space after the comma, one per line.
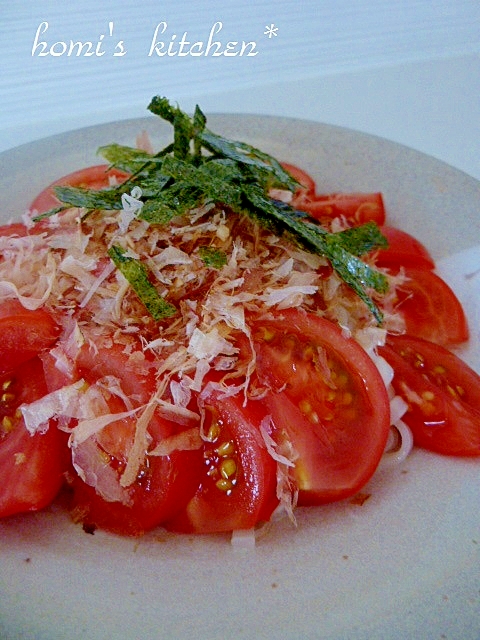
[356, 208]
[162, 488]
[13, 229]
[163, 485]
[238, 486]
[431, 309]
[302, 177]
[403, 250]
[442, 392]
[25, 333]
[32, 466]
[327, 398]
[96, 177]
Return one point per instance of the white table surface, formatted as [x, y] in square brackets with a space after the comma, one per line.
[408, 71]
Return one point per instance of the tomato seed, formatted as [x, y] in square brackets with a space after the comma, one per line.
[342, 380]
[439, 370]
[226, 448]
[419, 361]
[228, 468]
[105, 456]
[267, 334]
[7, 424]
[213, 432]
[20, 458]
[224, 485]
[305, 406]
[308, 353]
[453, 392]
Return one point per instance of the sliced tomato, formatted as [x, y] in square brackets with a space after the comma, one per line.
[25, 333]
[162, 487]
[403, 250]
[20, 230]
[302, 177]
[356, 208]
[431, 309]
[31, 466]
[238, 487]
[17, 229]
[327, 399]
[442, 392]
[96, 177]
[163, 484]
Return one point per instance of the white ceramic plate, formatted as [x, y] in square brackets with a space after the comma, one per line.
[404, 565]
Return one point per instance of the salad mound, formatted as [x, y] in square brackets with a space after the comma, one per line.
[197, 340]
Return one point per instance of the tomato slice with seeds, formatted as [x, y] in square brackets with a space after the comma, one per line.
[96, 177]
[431, 309]
[238, 486]
[327, 398]
[442, 392]
[31, 467]
[25, 333]
[162, 487]
[163, 484]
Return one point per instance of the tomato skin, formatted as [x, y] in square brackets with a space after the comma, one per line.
[17, 229]
[442, 392]
[431, 309]
[253, 495]
[92, 363]
[96, 177]
[25, 333]
[20, 230]
[328, 398]
[302, 177]
[163, 485]
[32, 467]
[356, 208]
[403, 250]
